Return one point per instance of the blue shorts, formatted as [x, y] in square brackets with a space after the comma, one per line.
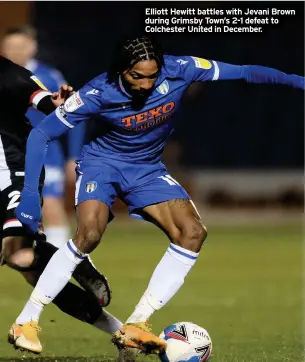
[137, 185]
[54, 165]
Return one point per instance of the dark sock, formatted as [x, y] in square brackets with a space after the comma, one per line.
[44, 252]
[77, 303]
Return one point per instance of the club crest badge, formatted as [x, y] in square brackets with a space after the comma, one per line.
[91, 186]
[163, 87]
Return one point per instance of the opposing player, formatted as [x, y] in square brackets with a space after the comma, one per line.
[133, 104]
[20, 249]
[20, 46]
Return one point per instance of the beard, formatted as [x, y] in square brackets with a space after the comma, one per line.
[139, 98]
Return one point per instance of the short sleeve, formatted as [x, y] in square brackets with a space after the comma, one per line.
[81, 106]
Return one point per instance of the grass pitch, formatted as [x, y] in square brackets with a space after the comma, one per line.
[246, 290]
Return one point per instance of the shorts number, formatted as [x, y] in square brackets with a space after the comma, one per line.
[171, 181]
[14, 197]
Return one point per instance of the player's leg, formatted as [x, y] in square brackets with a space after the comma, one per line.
[164, 202]
[71, 300]
[56, 224]
[76, 303]
[17, 245]
[17, 253]
[92, 214]
[179, 219]
[88, 269]
[59, 271]
[92, 221]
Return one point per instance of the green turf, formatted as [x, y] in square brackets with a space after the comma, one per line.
[246, 290]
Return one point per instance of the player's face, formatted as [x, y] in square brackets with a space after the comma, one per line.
[142, 76]
[140, 80]
[18, 48]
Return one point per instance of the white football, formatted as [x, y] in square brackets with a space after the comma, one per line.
[186, 342]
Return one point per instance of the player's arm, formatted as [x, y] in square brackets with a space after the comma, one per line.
[22, 86]
[27, 87]
[76, 135]
[75, 141]
[198, 69]
[78, 108]
[36, 93]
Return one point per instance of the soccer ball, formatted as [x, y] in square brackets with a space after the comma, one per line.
[186, 342]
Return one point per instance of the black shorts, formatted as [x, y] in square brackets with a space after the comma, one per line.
[11, 185]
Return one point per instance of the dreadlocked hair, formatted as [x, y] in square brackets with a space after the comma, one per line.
[133, 50]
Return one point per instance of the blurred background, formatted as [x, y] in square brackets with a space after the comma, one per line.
[239, 151]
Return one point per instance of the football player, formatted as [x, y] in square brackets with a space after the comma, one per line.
[133, 105]
[20, 249]
[20, 46]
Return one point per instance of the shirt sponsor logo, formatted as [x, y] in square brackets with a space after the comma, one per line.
[150, 118]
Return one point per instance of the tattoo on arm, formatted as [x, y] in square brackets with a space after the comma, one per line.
[181, 203]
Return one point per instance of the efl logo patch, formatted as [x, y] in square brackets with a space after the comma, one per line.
[73, 103]
[91, 186]
[37, 81]
[202, 63]
[163, 87]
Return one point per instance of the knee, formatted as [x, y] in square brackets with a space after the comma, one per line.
[21, 260]
[191, 235]
[88, 236]
[17, 252]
